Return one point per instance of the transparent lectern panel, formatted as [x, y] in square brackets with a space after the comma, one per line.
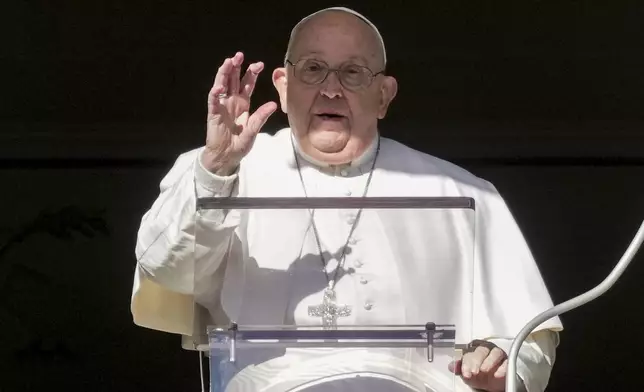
[347, 358]
[331, 265]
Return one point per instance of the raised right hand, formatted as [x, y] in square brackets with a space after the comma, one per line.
[231, 131]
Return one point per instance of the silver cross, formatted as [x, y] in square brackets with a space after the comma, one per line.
[329, 311]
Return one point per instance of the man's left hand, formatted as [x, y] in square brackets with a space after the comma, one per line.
[483, 367]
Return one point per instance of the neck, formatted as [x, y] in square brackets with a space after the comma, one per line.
[360, 160]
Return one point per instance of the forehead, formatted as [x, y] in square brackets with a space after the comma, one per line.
[337, 36]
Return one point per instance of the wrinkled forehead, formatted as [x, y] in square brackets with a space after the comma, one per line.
[358, 30]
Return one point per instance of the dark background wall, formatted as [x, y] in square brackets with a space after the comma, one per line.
[98, 98]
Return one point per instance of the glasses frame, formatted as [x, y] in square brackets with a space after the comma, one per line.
[372, 75]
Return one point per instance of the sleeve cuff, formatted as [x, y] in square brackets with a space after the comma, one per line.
[210, 184]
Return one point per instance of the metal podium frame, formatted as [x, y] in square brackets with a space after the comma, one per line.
[396, 202]
[429, 336]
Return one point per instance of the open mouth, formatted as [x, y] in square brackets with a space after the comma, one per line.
[330, 116]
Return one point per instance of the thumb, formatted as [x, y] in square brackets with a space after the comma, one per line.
[257, 120]
[455, 367]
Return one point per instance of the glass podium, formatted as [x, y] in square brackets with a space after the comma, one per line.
[334, 293]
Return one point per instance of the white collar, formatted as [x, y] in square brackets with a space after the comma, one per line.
[366, 156]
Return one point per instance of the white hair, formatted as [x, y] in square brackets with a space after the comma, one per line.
[342, 9]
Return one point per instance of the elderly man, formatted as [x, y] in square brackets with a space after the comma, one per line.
[334, 89]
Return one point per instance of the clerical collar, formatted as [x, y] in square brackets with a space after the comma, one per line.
[366, 156]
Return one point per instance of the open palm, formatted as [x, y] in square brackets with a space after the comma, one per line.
[231, 129]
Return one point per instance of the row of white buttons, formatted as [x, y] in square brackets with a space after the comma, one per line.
[363, 280]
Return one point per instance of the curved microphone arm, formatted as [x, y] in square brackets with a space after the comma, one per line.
[511, 380]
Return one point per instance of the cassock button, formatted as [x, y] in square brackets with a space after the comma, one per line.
[347, 193]
[363, 280]
[368, 306]
[358, 263]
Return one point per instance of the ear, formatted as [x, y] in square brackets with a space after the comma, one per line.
[388, 90]
[279, 82]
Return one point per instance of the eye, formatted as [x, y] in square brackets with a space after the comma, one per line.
[312, 66]
[353, 69]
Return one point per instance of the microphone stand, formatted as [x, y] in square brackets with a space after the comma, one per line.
[511, 382]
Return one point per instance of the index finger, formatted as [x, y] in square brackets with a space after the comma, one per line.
[223, 73]
[472, 361]
[213, 100]
[493, 360]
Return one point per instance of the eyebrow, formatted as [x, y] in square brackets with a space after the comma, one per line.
[361, 58]
[314, 52]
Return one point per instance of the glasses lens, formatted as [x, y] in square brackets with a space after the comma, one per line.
[314, 72]
[355, 76]
[311, 71]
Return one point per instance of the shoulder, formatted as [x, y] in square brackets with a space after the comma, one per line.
[269, 149]
[419, 166]
[271, 142]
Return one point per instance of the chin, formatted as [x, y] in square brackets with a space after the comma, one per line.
[329, 140]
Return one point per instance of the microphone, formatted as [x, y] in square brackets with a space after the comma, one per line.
[511, 382]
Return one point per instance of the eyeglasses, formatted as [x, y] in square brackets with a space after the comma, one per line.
[351, 76]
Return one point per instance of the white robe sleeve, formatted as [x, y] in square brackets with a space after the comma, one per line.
[535, 360]
[174, 247]
[510, 291]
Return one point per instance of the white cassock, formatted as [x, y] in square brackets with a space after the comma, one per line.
[402, 267]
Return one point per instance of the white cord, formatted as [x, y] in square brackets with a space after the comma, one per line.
[203, 382]
[511, 380]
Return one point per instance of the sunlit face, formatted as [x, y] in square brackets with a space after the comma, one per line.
[335, 118]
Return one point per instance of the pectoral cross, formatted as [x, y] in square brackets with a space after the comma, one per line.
[329, 310]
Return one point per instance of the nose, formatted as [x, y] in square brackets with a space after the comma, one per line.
[331, 87]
